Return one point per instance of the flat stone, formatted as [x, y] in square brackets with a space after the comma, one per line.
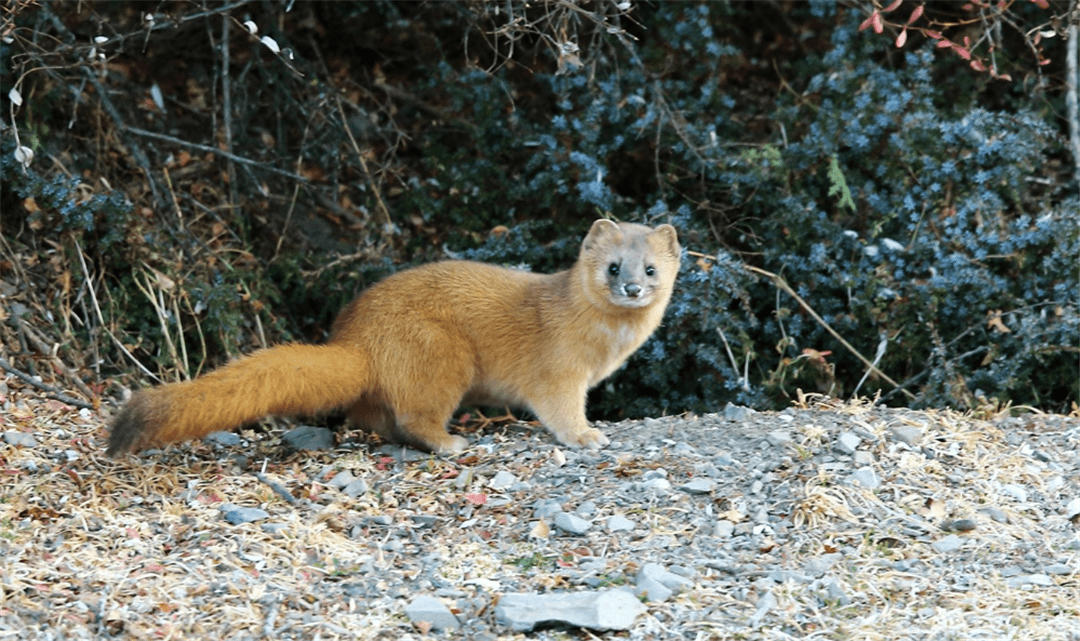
[778, 438]
[657, 485]
[907, 434]
[341, 479]
[307, 437]
[737, 413]
[959, 525]
[865, 477]
[619, 523]
[656, 583]
[1072, 510]
[571, 523]
[862, 458]
[724, 528]
[20, 439]
[355, 488]
[847, 442]
[1058, 569]
[238, 515]
[502, 481]
[611, 609]
[698, 486]
[949, 543]
[428, 609]
[223, 438]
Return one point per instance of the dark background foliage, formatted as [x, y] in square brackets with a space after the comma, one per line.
[195, 194]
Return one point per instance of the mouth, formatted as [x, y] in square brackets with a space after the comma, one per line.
[632, 302]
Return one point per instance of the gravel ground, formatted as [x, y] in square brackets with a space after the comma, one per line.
[829, 521]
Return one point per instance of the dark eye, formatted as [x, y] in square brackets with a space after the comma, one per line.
[613, 269]
[650, 270]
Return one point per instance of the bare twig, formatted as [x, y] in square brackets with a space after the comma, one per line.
[1072, 80]
[226, 104]
[214, 150]
[50, 392]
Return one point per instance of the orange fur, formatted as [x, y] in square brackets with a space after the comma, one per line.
[406, 353]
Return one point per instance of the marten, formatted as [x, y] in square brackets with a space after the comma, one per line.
[420, 343]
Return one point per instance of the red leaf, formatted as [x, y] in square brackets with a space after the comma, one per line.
[1004, 76]
[967, 42]
[1043, 4]
[944, 43]
[977, 65]
[968, 7]
[901, 39]
[936, 35]
[962, 52]
[916, 13]
[869, 21]
[878, 27]
[892, 7]
[476, 499]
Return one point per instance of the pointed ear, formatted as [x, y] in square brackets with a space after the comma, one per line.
[601, 228]
[668, 238]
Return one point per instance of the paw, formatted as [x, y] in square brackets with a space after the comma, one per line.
[591, 438]
[451, 445]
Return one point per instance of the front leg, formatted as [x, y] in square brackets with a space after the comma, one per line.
[562, 410]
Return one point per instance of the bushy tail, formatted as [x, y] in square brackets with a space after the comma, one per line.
[283, 380]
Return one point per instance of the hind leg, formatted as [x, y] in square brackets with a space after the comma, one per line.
[431, 375]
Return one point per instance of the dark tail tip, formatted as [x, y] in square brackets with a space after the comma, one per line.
[131, 426]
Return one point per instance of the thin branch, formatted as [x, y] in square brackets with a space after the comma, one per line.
[1072, 80]
[223, 154]
[49, 391]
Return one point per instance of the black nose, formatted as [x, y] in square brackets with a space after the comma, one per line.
[632, 289]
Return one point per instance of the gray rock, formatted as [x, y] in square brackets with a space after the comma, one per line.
[698, 485]
[341, 479]
[657, 584]
[847, 442]
[996, 514]
[428, 609]
[1072, 510]
[502, 481]
[820, 565]
[223, 438]
[1058, 569]
[906, 434]
[778, 438]
[866, 477]
[657, 485]
[1021, 580]
[612, 609]
[766, 602]
[586, 509]
[547, 508]
[737, 413]
[572, 523]
[307, 437]
[237, 515]
[724, 528]
[355, 488]
[20, 439]
[862, 458]
[959, 525]
[619, 523]
[834, 591]
[274, 528]
[949, 543]
[652, 590]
